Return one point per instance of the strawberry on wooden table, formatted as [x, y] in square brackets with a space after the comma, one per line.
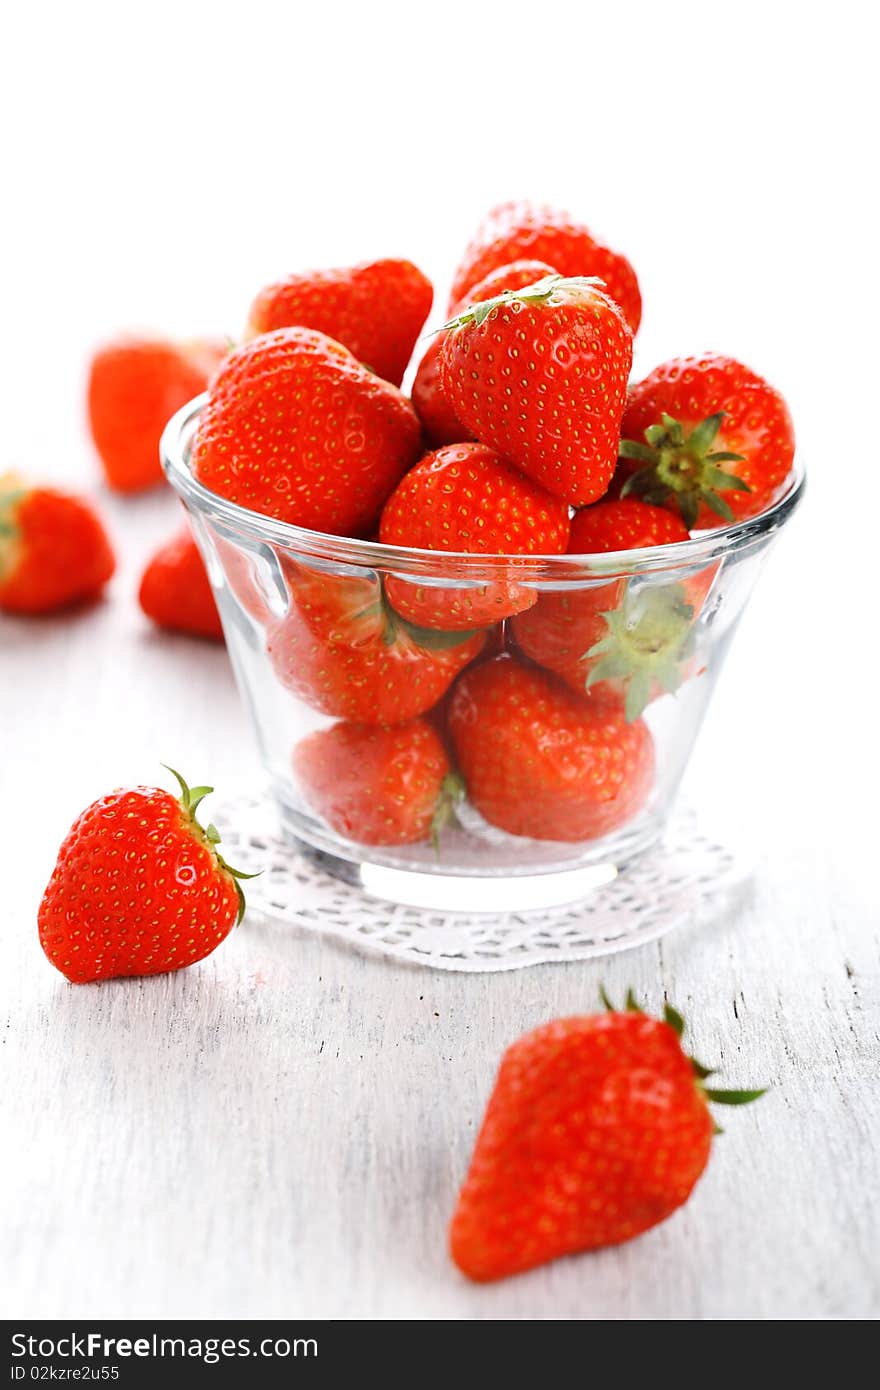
[139, 887]
[135, 386]
[467, 498]
[440, 423]
[376, 310]
[598, 1128]
[632, 641]
[54, 550]
[708, 438]
[518, 230]
[343, 650]
[540, 375]
[379, 786]
[539, 760]
[297, 429]
[175, 591]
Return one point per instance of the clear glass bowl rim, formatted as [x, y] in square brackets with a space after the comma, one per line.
[702, 549]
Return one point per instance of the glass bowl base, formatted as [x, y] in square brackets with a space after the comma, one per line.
[453, 888]
[457, 921]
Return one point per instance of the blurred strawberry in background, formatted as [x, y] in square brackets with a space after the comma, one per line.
[135, 386]
[54, 550]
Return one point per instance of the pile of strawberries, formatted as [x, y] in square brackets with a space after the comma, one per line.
[523, 437]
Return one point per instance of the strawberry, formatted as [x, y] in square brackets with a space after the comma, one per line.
[54, 550]
[707, 437]
[632, 641]
[541, 761]
[139, 888]
[376, 310]
[378, 786]
[135, 385]
[175, 590]
[467, 498]
[598, 1128]
[297, 429]
[540, 375]
[438, 419]
[343, 650]
[514, 231]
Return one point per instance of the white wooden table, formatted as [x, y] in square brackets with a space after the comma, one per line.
[281, 1130]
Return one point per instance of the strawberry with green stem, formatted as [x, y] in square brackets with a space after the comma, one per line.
[139, 887]
[539, 374]
[440, 423]
[379, 785]
[597, 1129]
[633, 640]
[343, 649]
[706, 437]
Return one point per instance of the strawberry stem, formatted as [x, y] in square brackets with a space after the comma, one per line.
[647, 642]
[451, 793]
[558, 288]
[190, 800]
[676, 1022]
[683, 467]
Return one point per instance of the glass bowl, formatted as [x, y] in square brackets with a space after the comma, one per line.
[323, 630]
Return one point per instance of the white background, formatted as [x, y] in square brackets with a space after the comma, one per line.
[158, 165]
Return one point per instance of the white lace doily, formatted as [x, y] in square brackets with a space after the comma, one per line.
[686, 880]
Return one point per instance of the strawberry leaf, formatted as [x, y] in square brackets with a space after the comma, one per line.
[734, 1097]
[433, 639]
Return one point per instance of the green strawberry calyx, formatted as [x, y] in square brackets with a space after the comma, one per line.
[676, 1022]
[12, 491]
[684, 467]
[648, 642]
[452, 792]
[553, 289]
[431, 639]
[190, 799]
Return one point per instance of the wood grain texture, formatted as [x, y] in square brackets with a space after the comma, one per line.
[281, 1130]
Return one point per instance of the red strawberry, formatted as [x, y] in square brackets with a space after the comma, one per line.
[54, 550]
[541, 761]
[376, 310]
[139, 888]
[540, 375]
[378, 786]
[135, 385]
[598, 1128]
[342, 649]
[297, 429]
[438, 419]
[175, 590]
[720, 441]
[632, 641]
[468, 498]
[514, 231]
